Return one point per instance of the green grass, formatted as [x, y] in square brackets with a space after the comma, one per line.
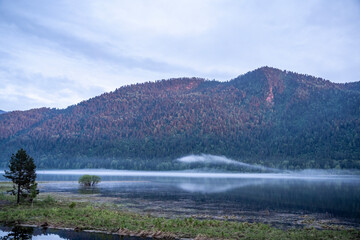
[87, 216]
[5, 186]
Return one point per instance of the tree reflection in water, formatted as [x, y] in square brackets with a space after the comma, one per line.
[19, 233]
[89, 190]
[25, 233]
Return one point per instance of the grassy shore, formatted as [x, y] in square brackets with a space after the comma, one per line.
[86, 216]
[5, 186]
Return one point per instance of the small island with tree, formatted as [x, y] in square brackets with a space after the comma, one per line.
[89, 180]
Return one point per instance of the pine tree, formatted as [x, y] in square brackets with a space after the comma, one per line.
[22, 174]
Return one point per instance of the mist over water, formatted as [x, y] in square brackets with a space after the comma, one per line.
[215, 193]
[220, 160]
[207, 159]
[330, 193]
[206, 168]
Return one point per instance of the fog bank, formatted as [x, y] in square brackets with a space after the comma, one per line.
[219, 160]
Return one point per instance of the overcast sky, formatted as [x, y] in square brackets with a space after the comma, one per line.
[58, 53]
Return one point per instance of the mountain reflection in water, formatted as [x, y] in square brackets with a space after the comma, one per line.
[334, 196]
[24, 233]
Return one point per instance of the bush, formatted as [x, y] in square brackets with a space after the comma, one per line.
[72, 205]
[49, 200]
[89, 180]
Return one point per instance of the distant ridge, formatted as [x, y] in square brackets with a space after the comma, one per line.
[267, 116]
[1, 112]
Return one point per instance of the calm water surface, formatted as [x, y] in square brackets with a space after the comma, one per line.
[220, 194]
[24, 233]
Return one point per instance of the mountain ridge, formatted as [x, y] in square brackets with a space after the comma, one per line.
[266, 116]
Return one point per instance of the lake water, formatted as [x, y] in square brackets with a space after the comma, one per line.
[278, 199]
[24, 233]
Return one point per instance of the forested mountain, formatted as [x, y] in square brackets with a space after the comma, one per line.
[267, 116]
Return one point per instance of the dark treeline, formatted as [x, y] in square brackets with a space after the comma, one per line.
[268, 116]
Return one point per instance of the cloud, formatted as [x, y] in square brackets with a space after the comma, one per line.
[87, 47]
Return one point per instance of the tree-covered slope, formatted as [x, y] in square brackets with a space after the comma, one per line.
[267, 116]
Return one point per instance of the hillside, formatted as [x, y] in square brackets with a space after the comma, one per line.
[267, 116]
[1, 111]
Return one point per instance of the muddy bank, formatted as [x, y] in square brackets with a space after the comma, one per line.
[187, 208]
[27, 231]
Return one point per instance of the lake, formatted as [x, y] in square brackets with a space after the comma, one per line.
[281, 199]
[24, 233]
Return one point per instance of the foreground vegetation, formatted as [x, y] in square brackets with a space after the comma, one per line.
[47, 211]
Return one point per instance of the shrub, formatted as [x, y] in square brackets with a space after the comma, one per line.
[89, 180]
[49, 200]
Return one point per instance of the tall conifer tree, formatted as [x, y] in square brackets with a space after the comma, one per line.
[22, 174]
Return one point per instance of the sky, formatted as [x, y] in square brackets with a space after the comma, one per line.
[58, 53]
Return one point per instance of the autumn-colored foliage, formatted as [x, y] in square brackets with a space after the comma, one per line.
[266, 116]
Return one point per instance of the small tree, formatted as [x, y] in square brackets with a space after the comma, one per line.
[22, 174]
[32, 193]
[89, 180]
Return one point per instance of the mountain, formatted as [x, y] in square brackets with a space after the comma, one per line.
[1, 112]
[267, 116]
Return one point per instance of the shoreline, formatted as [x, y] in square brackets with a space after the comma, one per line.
[281, 220]
[120, 232]
[56, 213]
[188, 209]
